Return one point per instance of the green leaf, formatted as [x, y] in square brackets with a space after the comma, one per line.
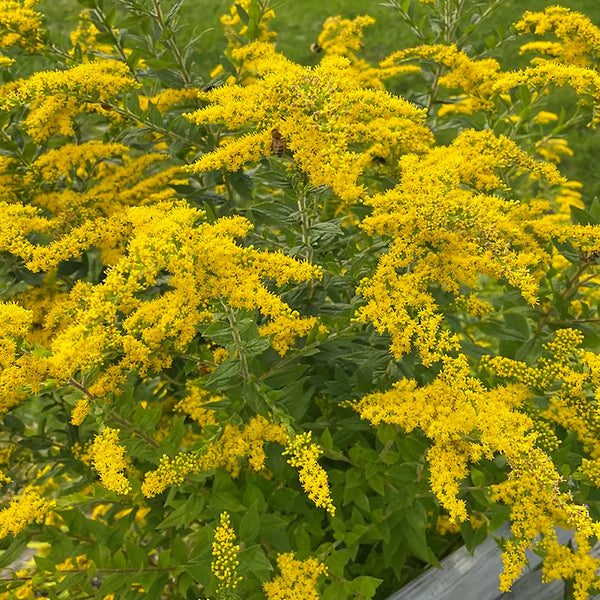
[336, 590]
[414, 530]
[326, 440]
[242, 14]
[180, 551]
[253, 560]
[224, 375]
[184, 514]
[473, 537]
[14, 550]
[250, 524]
[200, 572]
[132, 102]
[218, 332]
[524, 95]
[582, 217]
[13, 423]
[154, 115]
[567, 250]
[376, 481]
[595, 209]
[366, 586]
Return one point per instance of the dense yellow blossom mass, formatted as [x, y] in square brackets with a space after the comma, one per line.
[199, 270]
[28, 507]
[321, 112]
[109, 460]
[56, 97]
[20, 25]
[233, 446]
[304, 456]
[448, 229]
[298, 579]
[579, 38]
[224, 553]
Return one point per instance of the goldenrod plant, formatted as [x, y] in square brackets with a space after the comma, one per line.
[280, 331]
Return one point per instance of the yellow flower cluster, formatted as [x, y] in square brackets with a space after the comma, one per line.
[4, 478]
[483, 82]
[192, 405]
[204, 261]
[445, 525]
[20, 373]
[85, 36]
[28, 507]
[238, 32]
[56, 97]
[553, 149]
[564, 562]
[565, 374]
[234, 26]
[304, 456]
[206, 266]
[343, 37]
[579, 37]
[15, 322]
[165, 99]
[467, 422]
[80, 411]
[298, 579]
[320, 111]
[234, 445]
[81, 561]
[225, 555]
[584, 81]
[72, 160]
[109, 461]
[83, 452]
[453, 408]
[21, 589]
[448, 230]
[537, 507]
[75, 219]
[474, 77]
[20, 25]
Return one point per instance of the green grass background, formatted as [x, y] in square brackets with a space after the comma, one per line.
[298, 23]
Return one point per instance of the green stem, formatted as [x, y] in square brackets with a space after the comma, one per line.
[237, 340]
[170, 43]
[306, 223]
[113, 415]
[115, 40]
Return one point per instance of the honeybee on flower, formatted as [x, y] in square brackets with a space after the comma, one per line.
[278, 143]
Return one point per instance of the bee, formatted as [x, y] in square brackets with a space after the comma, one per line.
[316, 47]
[278, 145]
[96, 582]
